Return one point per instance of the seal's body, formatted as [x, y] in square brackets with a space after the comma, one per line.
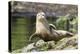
[42, 26]
[59, 34]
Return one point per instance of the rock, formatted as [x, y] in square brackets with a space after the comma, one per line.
[50, 9]
[29, 48]
[51, 44]
[45, 45]
[64, 44]
[40, 43]
[70, 47]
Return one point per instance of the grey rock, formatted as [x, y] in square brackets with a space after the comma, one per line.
[64, 44]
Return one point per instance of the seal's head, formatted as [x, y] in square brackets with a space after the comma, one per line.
[41, 16]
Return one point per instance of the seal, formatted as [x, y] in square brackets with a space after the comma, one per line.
[47, 31]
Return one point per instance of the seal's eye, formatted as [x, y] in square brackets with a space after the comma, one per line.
[43, 15]
[38, 15]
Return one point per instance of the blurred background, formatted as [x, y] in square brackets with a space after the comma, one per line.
[23, 19]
